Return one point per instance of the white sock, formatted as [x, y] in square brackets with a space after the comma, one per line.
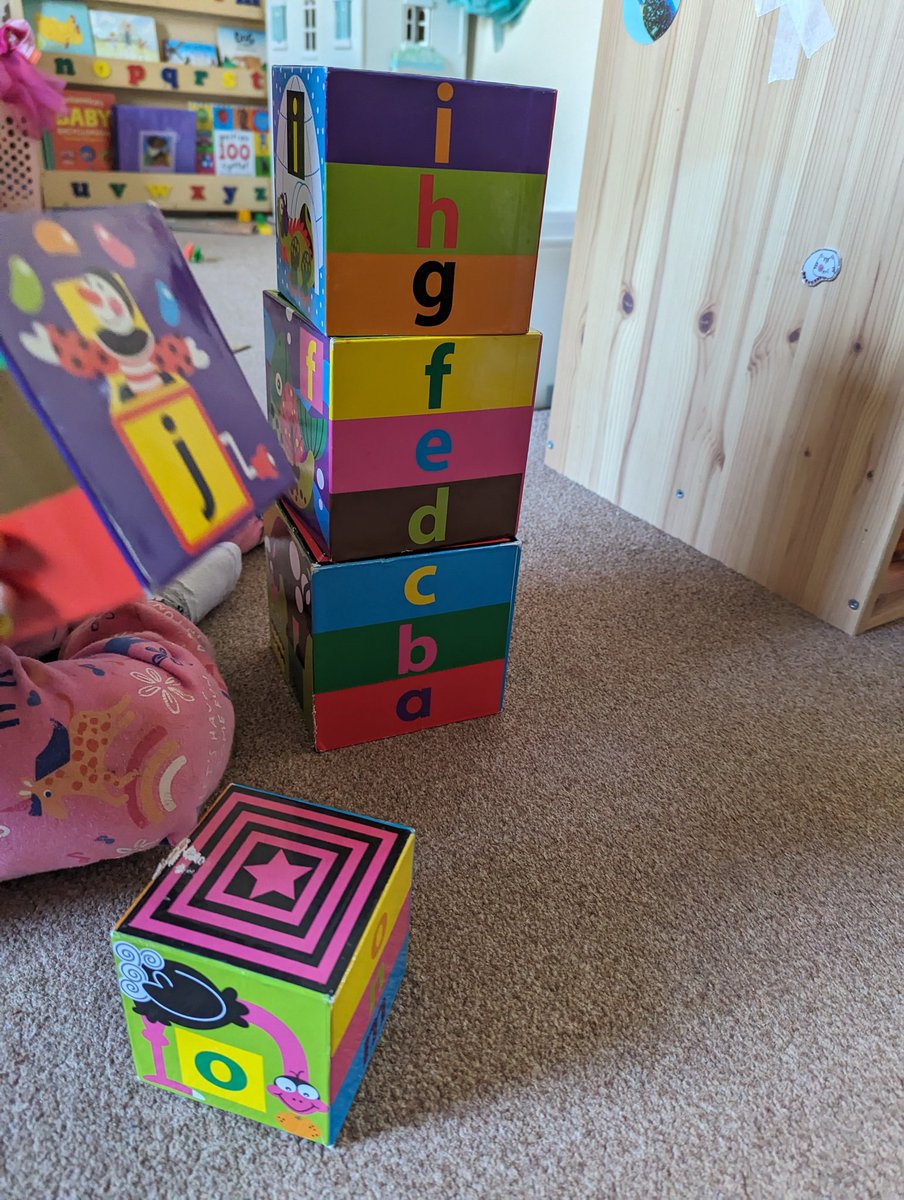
[206, 583]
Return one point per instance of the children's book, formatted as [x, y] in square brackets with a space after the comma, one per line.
[203, 137]
[242, 47]
[194, 54]
[233, 152]
[131, 440]
[155, 139]
[125, 35]
[60, 27]
[82, 139]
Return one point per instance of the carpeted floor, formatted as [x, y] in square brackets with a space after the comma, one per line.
[656, 944]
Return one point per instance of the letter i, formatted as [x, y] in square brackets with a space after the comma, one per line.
[445, 91]
[295, 132]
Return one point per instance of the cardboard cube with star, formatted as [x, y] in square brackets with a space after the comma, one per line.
[259, 966]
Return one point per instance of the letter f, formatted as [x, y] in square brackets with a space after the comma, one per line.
[435, 369]
[311, 362]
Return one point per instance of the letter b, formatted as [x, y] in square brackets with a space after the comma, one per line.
[407, 646]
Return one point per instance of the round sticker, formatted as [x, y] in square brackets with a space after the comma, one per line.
[648, 20]
[821, 267]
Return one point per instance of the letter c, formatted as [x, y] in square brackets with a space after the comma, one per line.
[413, 594]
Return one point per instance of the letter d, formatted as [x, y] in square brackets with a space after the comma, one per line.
[438, 512]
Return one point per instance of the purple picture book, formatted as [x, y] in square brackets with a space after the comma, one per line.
[107, 336]
[155, 139]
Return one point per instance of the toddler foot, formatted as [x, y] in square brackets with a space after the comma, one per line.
[206, 583]
[249, 535]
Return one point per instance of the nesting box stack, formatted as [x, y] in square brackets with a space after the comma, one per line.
[401, 372]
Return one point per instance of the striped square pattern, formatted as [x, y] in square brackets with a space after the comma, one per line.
[286, 888]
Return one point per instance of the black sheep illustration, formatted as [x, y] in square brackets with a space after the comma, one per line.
[170, 993]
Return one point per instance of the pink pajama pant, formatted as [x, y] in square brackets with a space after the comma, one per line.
[112, 748]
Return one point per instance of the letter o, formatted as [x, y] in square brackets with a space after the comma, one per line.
[237, 1080]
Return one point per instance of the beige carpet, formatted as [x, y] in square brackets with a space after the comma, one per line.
[656, 945]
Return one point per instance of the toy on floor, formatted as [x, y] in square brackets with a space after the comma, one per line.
[258, 969]
[414, 441]
[378, 428]
[379, 647]
[131, 440]
[454, 175]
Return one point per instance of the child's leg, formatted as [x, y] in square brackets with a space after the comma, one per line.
[114, 747]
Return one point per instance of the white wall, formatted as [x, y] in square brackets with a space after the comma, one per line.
[553, 45]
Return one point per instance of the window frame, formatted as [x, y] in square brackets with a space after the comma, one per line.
[309, 25]
[342, 42]
[416, 19]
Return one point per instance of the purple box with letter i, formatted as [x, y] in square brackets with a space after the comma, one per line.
[155, 139]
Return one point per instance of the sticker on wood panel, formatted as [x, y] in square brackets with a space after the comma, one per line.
[822, 266]
[648, 20]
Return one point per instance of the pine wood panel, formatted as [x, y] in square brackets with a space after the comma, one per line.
[700, 383]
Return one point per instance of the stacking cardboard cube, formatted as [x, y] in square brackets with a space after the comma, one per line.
[388, 646]
[258, 970]
[400, 443]
[408, 204]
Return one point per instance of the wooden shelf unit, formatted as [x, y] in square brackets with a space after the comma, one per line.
[167, 85]
[173, 193]
[701, 385]
[888, 605]
[168, 79]
[226, 11]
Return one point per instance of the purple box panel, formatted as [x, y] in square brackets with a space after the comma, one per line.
[391, 120]
[155, 139]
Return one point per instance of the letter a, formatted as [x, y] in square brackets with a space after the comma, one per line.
[404, 713]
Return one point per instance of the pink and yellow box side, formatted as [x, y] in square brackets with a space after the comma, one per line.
[400, 443]
[408, 204]
[382, 647]
[258, 969]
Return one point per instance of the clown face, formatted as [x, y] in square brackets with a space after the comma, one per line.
[107, 302]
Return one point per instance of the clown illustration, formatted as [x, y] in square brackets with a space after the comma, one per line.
[112, 339]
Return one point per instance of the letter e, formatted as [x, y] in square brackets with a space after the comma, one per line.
[431, 447]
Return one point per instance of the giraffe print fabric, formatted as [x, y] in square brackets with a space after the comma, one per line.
[114, 746]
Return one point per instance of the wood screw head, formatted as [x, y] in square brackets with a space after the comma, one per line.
[854, 604]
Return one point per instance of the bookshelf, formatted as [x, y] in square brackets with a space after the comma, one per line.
[164, 85]
[173, 193]
[170, 80]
